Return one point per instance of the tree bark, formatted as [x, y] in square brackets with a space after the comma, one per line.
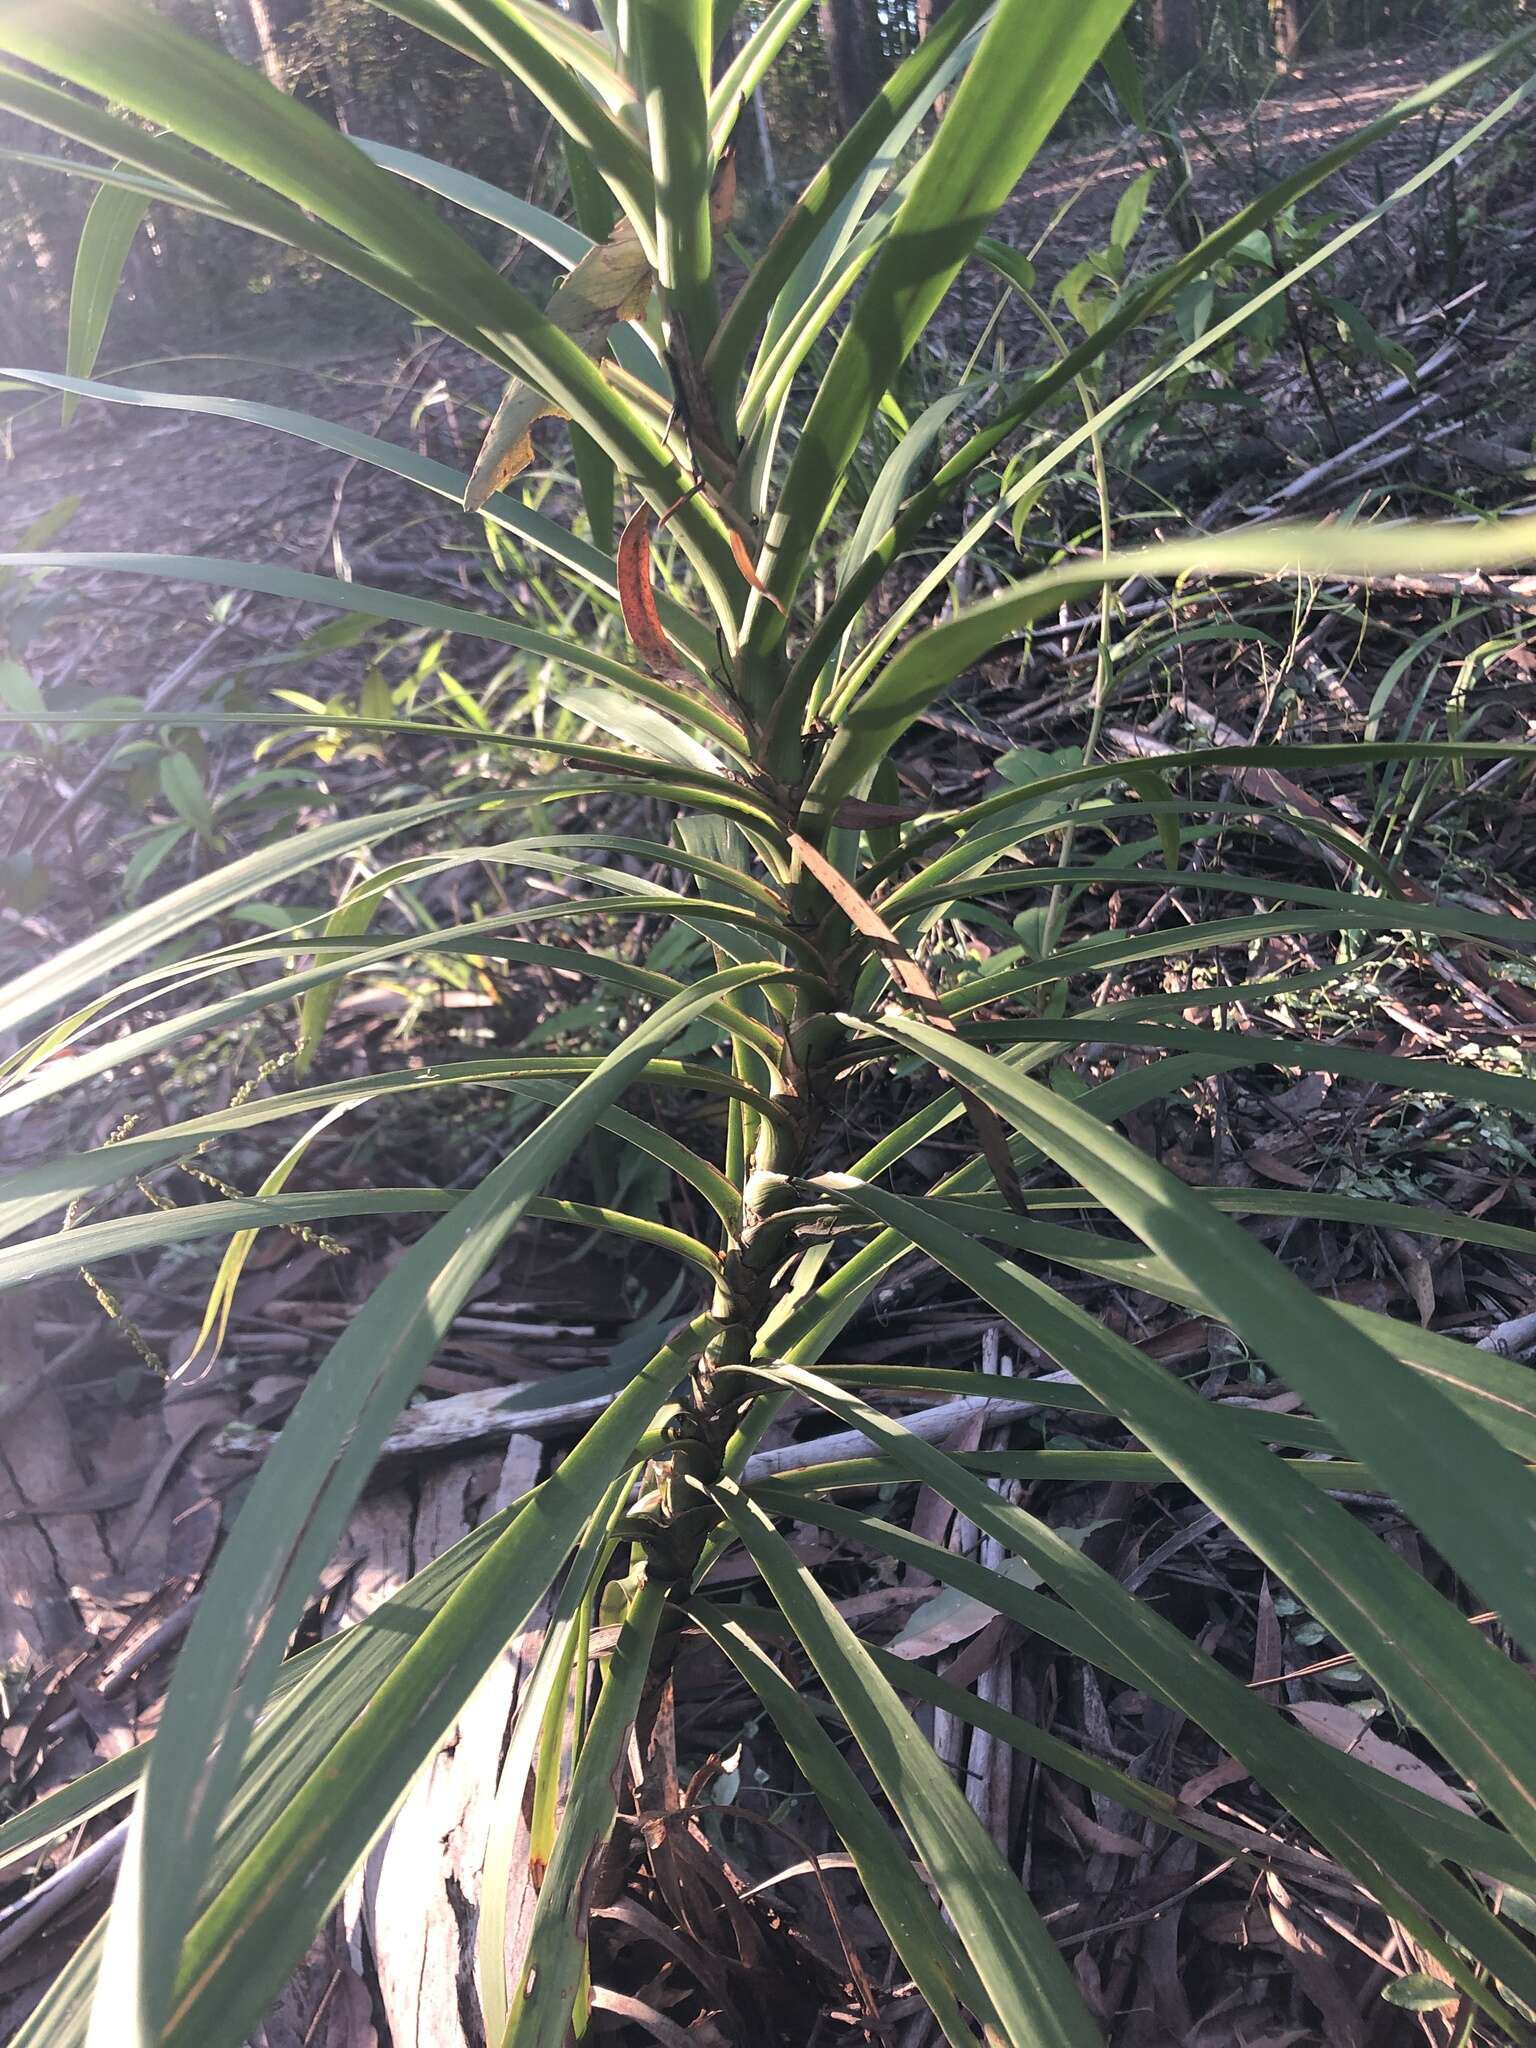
[32, 276]
[1289, 18]
[849, 39]
[1175, 39]
[928, 13]
[287, 54]
[754, 145]
[237, 31]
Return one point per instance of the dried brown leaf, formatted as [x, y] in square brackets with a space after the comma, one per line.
[642, 621]
[1341, 1728]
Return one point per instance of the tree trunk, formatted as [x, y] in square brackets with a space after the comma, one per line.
[853, 61]
[1289, 18]
[33, 279]
[288, 55]
[237, 31]
[928, 13]
[1175, 39]
[755, 166]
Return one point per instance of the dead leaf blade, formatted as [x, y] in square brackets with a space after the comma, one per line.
[642, 621]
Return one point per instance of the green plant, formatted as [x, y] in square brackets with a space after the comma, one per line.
[768, 731]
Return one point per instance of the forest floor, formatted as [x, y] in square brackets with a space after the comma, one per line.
[115, 1486]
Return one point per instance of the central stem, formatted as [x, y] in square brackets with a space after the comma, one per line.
[782, 1148]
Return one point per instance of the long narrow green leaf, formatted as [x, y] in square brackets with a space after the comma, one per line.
[672, 43]
[586, 51]
[39, 989]
[157, 1229]
[1472, 1839]
[722, 1196]
[1341, 911]
[188, 178]
[894, 1890]
[270, 1208]
[566, 1638]
[1030, 1991]
[1076, 1468]
[59, 1813]
[57, 1076]
[741, 77]
[657, 724]
[1196, 821]
[806, 309]
[1440, 1829]
[1461, 1691]
[557, 238]
[306, 1489]
[984, 144]
[701, 865]
[1314, 758]
[562, 243]
[221, 1298]
[257, 1927]
[896, 474]
[572, 553]
[590, 769]
[1130, 313]
[111, 222]
[1026, 486]
[815, 1305]
[1348, 1815]
[1428, 1077]
[31, 1193]
[183, 177]
[119, 176]
[534, 45]
[135, 57]
[1369, 1405]
[1500, 1399]
[335, 595]
[1014, 977]
[190, 87]
[906, 88]
[317, 1695]
[875, 719]
[1413, 1218]
[540, 2005]
[1061, 1397]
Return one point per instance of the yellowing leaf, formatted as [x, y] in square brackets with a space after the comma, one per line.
[221, 1300]
[611, 284]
